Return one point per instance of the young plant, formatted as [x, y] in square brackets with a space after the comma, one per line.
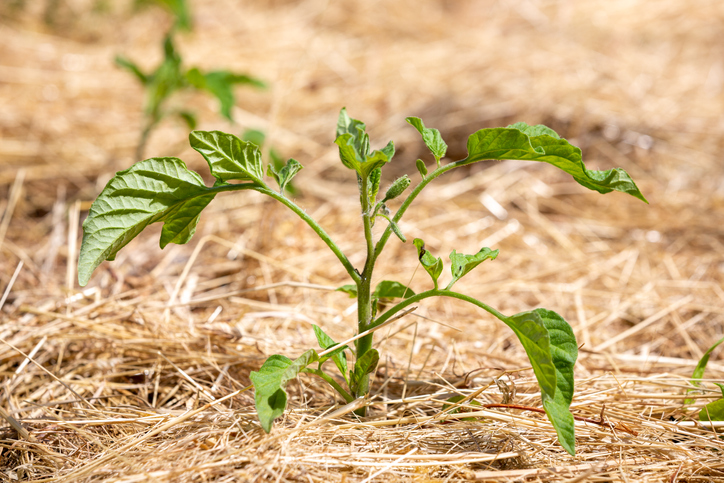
[169, 77]
[164, 190]
[714, 411]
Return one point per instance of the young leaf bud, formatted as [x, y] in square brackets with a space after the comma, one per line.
[397, 188]
[375, 177]
[421, 167]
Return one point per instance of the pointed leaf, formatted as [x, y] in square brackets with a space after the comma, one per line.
[388, 289]
[157, 189]
[564, 351]
[363, 366]
[228, 156]
[354, 147]
[284, 175]
[540, 143]
[701, 367]
[221, 85]
[463, 264]
[270, 382]
[431, 138]
[338, 356]
[533, 334]
[432, 265]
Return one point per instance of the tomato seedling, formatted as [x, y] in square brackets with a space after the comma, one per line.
[165, 190]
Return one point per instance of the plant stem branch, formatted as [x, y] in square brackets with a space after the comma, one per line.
[329, 380]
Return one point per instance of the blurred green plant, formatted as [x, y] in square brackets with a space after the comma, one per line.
[170, 77]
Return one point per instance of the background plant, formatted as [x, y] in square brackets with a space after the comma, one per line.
[169, 78]
[713, 411]
[164, 190]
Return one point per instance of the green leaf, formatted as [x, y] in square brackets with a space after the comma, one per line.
[432, 265]
[363, 366]
[228, 156]
[132, 67]
[350, 289]
[534, 336]
[157, 189]
[338, 356]
[540, 143]
[221, 85]
[714, 411]
[354, 147]
[389, 289]
[285, 175]
[457, 399]
[721, 387]
[269, 383]
[189, 118]
[431, 138]
[698, 373]
[564, 351]
[463, 264]
[421, 167]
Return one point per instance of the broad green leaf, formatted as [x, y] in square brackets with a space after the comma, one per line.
[228, 156]
[714, 411]
[350, 289]
[338, 356]
[157, 189]
[463, 264]
[270, 382]
[431, 138]
[132, 68]
[432, 265]
[284, 175]
[698, 373]
[363, 366]
[389, 289]
[457, 399]
[540, 143]
[534, 336]
[254, 136]
[564, 352]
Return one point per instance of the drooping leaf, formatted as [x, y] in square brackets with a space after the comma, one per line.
[338, 356]
[432, 265]
[157, 189]
[228, 156]
[431, 138]
[534, 336]
[698, 373]
[463, 264]
[284, 175]
[363, 366]
[269, 383]
[564, 351]
[540, 143]
[350, 289]
[389, 289]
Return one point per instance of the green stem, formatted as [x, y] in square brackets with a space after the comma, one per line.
[433, 293]
[329, 380]
[364, 293]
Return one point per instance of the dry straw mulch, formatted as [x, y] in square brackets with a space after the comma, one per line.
[142, 375]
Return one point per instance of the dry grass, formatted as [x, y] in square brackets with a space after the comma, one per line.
[142, 376]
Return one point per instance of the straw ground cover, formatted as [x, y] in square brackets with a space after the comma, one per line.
[141, 376]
